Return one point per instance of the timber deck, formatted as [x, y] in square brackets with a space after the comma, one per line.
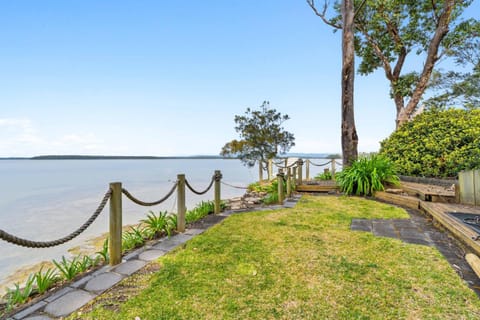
[440, 213]
[427, 192]
[318, 186]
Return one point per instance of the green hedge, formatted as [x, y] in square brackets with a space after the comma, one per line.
[437, 143]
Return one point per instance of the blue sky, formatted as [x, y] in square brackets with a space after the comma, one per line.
[141, 77]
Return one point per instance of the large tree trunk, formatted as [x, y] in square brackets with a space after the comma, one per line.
[432, 57]
[349, 133]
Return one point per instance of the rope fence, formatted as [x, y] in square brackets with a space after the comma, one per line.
[200, 192]
[149, 204]
[320, 164]
[46, 244]
[234, 186]
[114, 196]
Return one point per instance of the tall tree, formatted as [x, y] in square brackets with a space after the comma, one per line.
[460, 88]
[349, 131]
[262, 136]
[388, 31]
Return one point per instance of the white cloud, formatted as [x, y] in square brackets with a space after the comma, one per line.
[21, 138]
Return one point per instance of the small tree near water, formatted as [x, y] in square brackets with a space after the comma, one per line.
[262, 136]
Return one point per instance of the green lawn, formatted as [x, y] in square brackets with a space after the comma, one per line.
[301, 263]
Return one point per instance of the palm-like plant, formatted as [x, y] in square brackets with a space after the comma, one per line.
[367, 175]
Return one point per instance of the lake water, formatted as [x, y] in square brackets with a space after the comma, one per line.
[48, 199]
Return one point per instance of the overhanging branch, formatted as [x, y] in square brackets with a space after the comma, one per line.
[322, 14]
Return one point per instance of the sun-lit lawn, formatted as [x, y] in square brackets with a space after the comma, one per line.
[301, 263]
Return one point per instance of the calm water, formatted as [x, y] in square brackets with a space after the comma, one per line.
[47, 199]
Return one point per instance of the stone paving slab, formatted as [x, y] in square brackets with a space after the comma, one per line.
[58, 294]
[68, 303]
[194, 232]
[38, 318]
[361, 225]
[103, 282]
[70, 298]
[30, 310]
[129, 267]
[384, 228]
[152, 254]
[167, 245]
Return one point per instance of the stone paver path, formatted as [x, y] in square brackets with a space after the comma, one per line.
[420, 230]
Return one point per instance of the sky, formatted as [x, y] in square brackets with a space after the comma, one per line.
[162, 78]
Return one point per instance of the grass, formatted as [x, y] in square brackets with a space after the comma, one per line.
[301, 263]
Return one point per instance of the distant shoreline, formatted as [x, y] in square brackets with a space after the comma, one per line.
[195, 157]
[79, 157]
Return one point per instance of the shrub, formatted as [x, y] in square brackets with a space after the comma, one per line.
[437, 143]
[366, 175]
[327, 175]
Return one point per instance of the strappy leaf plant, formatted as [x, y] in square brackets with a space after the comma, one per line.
[45, 280]
[133, 238]
[69, 269]
[367, 175]
[19, 295]
[157, 225]
[103, 253]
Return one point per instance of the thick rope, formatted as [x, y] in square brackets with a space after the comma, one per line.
[292, 165]
[204, 191]
[340, 164]
[321, 164]
[149, 204]
[236, 187]
[46, 244]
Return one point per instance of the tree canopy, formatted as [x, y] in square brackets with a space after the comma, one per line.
[262, 136]
[436, 143]
[389, 31]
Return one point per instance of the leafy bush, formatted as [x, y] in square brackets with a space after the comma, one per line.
[272, 192]
[327, 175]
[263, 186]
[201, 210]
[367, 175]
[437, 143]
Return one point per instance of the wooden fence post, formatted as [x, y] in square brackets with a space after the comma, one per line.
[281, 192]
[333, 169]
[307, 169]
[289, 182]
[181, 203]
[300, 177]
[294, 175]
[115, 235]
[218, 178]
[270, 169]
